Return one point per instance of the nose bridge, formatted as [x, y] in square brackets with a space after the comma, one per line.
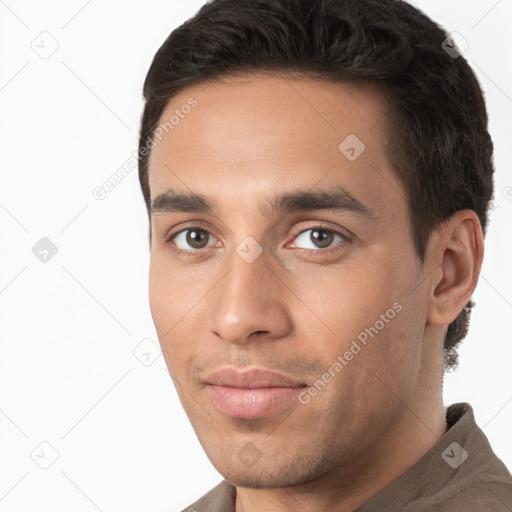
[247, 299]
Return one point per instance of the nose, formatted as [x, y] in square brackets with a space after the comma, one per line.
[249, 303]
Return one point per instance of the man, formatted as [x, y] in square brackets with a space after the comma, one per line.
[317, 176]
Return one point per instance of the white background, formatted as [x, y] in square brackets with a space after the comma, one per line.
[69, 376]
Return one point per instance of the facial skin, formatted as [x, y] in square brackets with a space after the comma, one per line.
[249, 140]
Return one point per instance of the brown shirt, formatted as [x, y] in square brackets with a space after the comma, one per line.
[460, 473]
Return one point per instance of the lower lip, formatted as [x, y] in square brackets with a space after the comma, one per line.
[250, 403]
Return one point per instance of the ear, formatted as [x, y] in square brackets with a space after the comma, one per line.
[456, 250]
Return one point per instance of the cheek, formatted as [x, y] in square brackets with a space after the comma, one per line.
[159, 292]
[175, 312]
[170, 292]
[164, 303]
[369, 303]
[349, 297]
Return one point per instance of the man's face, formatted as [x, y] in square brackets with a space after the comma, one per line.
[303, 265]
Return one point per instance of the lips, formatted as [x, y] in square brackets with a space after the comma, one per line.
[252, 393]
[254, 378]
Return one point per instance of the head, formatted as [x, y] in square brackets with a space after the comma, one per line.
[317, 177]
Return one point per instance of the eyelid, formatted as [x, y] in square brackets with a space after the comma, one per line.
[170, 237]
[320, 226]
[184, 226]
[190, 254]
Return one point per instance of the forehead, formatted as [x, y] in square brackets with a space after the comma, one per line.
[261, 133]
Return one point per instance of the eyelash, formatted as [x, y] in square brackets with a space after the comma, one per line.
[197, 253]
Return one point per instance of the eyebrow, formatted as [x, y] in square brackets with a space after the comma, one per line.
[335, 199]
[175, 202]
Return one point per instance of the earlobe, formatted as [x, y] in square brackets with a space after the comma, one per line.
[458, 250]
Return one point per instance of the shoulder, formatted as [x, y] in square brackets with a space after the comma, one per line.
[219, 499]
[484, 496]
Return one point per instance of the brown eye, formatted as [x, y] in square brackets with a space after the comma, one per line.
[197, 238]
[318, 238]
[322, 238]
[191, 239]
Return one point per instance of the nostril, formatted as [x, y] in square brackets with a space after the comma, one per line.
[259, 332]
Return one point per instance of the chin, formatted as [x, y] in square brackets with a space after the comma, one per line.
[257, 480]
[266, 475]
